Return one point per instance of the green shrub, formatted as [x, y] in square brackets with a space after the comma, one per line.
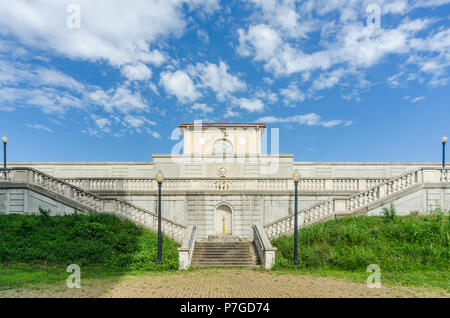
[93, 239]
[352, 243]
[389, 213]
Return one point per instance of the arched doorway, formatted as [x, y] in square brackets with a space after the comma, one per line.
[223, 220]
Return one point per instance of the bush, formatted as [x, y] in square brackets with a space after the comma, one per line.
[352, 243]
[389, 213]
[93, 239]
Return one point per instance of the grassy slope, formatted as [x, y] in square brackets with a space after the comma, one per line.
[38, 248]
[410, 250]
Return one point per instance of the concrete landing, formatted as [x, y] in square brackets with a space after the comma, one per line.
[224, 239]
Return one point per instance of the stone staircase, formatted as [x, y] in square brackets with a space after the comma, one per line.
[363, 202]
[226, 251]
[82, 200]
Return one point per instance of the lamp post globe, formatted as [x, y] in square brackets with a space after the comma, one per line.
[444, 140]
[159, 178]
[296, 176]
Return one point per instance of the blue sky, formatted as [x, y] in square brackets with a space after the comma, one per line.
[115, 83]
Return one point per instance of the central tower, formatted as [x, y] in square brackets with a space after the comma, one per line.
[222, 138]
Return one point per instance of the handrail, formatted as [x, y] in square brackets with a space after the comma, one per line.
[186, 250]
[192, 240]
[228, 178]
[258, 237]
[264, 249]
[92, 201]
[355, 202]
[308, 184]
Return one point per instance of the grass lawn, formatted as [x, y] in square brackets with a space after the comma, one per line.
[36, 249]
[410, 250]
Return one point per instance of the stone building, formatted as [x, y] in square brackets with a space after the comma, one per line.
[219, 181]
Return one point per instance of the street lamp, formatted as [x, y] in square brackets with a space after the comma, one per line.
[296, 178]
[5, 141]
[443, 140]
[159, 179]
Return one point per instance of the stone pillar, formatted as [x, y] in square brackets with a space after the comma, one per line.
[383, 190]
[431, 176]
[183, 258]
[362, 184]
[340, 205]
[110, 206]
[85, 185]
[119, 185]
[329, 185]
[68, 192]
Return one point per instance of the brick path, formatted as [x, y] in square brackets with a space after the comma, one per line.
[234, 282]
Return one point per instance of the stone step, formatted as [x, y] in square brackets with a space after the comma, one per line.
[223, 238]
[213, 249]
[223, 258]
[222, 244]
[226, 261]
[218, 254]
[226, 265]
[224, 254]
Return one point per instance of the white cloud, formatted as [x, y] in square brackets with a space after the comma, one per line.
[292, 94]
[39, 127]
[394, 80]
[417, 99]
[49, 100]
[203, 36]
[230, 113]
[260, 40]
[102, 122]
[217, 78]
[179, 84]
[111, 30]
[202, 108]
[281, 30]
[137, 72]
[267, 95]
[15, 73]
[251, 105]
[122, 99]
[311, 119]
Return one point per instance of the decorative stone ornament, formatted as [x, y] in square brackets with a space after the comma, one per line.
[222, 172]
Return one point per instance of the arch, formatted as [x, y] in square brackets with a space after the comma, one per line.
[222, 146]
[223, 219]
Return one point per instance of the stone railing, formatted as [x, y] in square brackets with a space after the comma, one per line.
[186, 250]
[329, 209]
[264, 249]
[3, 177]
[93, 202]
[218, 184]
[138, 215]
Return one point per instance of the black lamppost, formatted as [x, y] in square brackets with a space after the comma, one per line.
[5, 141]
[296, 178]
[159, 179]
[444, 141]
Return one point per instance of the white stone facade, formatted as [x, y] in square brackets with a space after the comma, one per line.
[222, 183]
